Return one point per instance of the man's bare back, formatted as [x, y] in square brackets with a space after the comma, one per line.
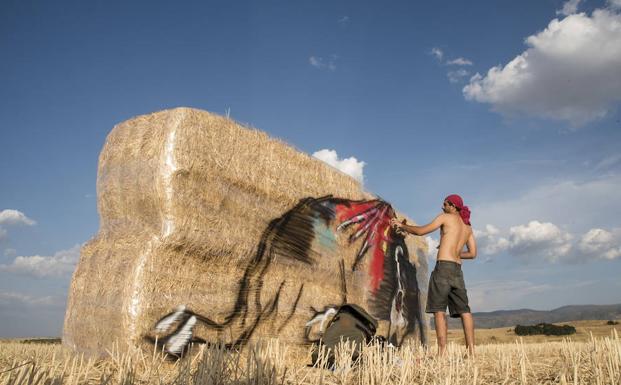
[454, 235]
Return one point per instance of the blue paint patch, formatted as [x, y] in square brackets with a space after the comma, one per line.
[325, 235]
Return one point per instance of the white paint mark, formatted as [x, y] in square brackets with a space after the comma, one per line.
[164, 324]
[180, 340]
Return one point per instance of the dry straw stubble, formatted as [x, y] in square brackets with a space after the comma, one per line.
[597, 361]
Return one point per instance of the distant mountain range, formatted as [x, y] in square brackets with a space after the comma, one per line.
[503, 318]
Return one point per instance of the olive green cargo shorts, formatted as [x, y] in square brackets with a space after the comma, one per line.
[447, 288]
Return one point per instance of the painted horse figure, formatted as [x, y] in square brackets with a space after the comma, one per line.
[392, 284]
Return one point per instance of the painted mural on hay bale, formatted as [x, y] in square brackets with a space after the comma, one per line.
[214, 232]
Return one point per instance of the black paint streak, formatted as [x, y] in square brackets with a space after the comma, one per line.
[295, 305]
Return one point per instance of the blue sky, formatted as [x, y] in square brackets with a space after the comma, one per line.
[513, 105]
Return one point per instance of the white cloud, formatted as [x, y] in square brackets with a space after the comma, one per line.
[539, 240]
[61, 264]
[454, 76]
[344, 20]
[570, 72]
[437, 53]
[350, 166]
[9, 252]
[529, 242]
[594, 239]
[432, 247]
[569, 8]
[612, 253]
[457, 75]
[11, 217]
[600, 244]
[536, 232]
[460, 61]
[489, 242]
[323, 63]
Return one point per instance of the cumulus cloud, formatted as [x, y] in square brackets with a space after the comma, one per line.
[460, 61]
[601, 244]
[350, 166]
[61, 264]
[569, 8]
[539, 240]
[489, 241]
[323, 63]
[3, 234]
[11, 217]
[535, 240]
[570, 72]
[437, 53]
[544, 241]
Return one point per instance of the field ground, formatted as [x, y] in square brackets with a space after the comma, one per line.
[592, 356]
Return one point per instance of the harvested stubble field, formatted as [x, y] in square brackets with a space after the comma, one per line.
[596, 361]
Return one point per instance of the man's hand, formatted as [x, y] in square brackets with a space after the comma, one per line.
[394, 223]
[404, 229]
[398, 226]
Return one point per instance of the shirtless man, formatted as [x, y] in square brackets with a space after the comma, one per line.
[446, 285]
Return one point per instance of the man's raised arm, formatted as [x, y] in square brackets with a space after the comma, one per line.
[420, 230]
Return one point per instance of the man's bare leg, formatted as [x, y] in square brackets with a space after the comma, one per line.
[441, 332]
[468, 323]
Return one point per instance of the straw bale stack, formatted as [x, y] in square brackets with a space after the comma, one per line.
[210, 231]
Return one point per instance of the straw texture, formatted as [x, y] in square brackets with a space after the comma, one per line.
[231, 234]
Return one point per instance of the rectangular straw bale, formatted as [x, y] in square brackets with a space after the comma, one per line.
[184, 198]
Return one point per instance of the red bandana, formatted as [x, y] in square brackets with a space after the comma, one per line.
[464, 211]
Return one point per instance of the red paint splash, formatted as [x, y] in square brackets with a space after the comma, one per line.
[371, 221]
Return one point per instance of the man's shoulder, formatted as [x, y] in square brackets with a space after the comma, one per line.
[441, 218]
[449, 218]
